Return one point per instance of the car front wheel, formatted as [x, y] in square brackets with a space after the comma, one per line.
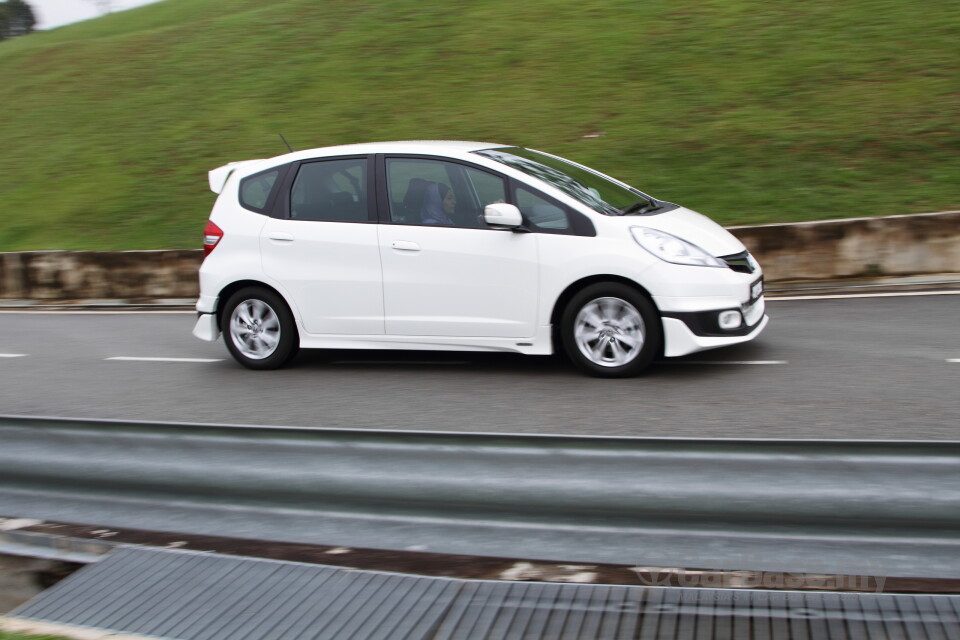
[610, 330]
[258, 329]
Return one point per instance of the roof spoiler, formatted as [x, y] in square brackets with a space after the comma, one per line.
[218, 177]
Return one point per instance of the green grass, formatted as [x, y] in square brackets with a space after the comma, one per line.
[9, 635]
[749, 111]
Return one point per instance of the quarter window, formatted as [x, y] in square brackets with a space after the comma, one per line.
[331, 190]
[255, 190]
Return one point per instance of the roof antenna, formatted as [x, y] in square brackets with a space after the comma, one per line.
[285, 142]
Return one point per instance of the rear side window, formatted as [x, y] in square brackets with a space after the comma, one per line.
[255, 190]
[331, 190]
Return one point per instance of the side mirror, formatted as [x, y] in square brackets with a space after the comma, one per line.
[501, 214]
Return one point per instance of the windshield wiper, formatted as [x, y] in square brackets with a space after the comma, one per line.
[641, 206]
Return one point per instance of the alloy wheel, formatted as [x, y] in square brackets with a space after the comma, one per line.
[609, 332]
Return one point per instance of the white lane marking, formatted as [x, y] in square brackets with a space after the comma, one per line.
[953, 359]
[139, 359]
[838, 296]
[13, 355]
[723, 362]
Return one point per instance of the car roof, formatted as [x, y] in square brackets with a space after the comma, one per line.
[442, 147]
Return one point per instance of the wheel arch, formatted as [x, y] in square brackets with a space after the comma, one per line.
[233, 287]
[577, 286]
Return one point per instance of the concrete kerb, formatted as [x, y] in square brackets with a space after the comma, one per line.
[794, 256]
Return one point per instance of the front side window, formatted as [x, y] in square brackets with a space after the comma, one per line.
[255, 190]
[585, 185]
[438, 193]
[331, 190]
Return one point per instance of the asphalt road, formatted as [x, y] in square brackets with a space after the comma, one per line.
[873, 367]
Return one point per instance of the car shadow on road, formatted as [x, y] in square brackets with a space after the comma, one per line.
[389, 360]
[757, 351]
[557, 365]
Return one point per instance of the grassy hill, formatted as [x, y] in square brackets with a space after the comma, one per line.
[746, 110]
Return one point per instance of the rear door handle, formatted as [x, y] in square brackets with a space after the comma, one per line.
[403, 245]
[280, 236]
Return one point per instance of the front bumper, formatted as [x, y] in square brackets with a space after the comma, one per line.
[679, 340]
[706, 323]
[691, 308]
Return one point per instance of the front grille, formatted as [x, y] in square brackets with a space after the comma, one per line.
[738, 262]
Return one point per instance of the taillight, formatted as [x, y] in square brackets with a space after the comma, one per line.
[211, 236]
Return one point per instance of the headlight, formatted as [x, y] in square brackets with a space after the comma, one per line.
[670, 248]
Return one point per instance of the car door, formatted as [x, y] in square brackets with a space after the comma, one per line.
[445, 271]
[323, 247]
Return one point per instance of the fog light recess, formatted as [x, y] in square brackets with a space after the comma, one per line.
[730, 320]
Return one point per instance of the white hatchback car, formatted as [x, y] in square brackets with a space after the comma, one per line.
[464, 246]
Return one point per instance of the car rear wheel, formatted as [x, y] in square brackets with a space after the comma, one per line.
[258, 329]
[610, 330]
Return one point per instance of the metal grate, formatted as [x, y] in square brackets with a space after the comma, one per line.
[199, 596]
[169, 594]
[537, 610]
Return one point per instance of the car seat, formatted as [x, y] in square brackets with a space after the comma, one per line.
[413, 200]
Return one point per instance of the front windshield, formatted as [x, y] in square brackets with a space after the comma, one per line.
[591, 188]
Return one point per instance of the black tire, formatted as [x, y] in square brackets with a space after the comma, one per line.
[610, 330]
[258, 329]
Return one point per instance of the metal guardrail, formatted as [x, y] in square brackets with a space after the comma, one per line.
[831, 506]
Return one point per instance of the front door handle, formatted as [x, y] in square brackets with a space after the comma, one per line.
[404, 245]
[280, 236]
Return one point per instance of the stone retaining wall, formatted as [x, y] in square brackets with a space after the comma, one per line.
[906, 245]
[827, 250]
[99, 275]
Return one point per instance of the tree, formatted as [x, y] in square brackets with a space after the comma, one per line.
[16, 19]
